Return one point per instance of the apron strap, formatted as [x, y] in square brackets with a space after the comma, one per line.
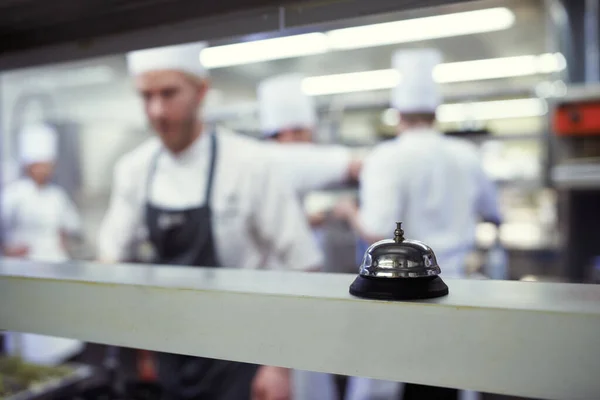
[151, 173]
[211, 168]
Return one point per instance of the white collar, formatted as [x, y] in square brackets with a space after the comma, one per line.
[419, 133]
[31, 185]
[196, 150]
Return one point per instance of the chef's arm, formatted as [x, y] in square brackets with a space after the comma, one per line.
[272, 383]
[316, 219]
[9, 208]
[281, 224]
[354, 168]
[117, 229]
[310, 166]
[380, 198]
[352, 216]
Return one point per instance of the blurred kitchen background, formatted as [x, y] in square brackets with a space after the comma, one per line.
[504, 67]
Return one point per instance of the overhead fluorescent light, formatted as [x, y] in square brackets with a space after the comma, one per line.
[495, 68]
[464, 71]
[75, 77]
[480, 111]
[413, 30]
[264, 50]
[351, 82]
[491, 110]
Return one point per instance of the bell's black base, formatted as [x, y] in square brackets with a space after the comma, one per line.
[398, 288]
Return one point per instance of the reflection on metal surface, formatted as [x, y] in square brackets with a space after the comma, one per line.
[529, 278]
[399, 258]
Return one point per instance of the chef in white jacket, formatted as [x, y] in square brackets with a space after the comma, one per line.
[196, 197]
[38, 217]
[288, 118]
[432, 183]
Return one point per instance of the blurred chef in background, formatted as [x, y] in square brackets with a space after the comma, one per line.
[38, 218]
[194, 197]
[432, 183]
[288, 117]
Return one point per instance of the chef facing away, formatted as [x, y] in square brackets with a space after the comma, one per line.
[196, 197]
[38, 218]
[434, 184]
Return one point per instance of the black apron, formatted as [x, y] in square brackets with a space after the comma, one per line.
[184, 237]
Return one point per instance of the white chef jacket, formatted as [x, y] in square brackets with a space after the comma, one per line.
[257, 220]
[35, 216]
[435, 185]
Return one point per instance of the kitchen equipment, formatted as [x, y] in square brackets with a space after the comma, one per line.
[399, 269]
[25, 381]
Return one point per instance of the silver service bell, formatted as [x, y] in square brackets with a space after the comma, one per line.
[399, 269]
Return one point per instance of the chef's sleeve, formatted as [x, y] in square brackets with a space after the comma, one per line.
[282, 225]
[71, 222]
[311, 167]
[380, 196]
[117, 230]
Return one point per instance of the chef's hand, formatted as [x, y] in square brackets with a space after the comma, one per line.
[317, 219]
[16, 251]
[272, 383]
[354, 169]
[345, 209]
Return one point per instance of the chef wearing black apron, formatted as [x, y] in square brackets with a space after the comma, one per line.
[185, 237]
[157, 202]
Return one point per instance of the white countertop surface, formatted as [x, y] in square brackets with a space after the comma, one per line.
[520, 338]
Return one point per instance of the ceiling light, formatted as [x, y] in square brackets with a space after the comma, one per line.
[390, 117]
[352, 82]
[412, 30]
[495, 68]
[464, 71]
[489, 110]
[75, 77]
[264, 50]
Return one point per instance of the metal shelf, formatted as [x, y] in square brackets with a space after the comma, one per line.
[342, 104]
[579, 93]
[515, 338]
[576, 176]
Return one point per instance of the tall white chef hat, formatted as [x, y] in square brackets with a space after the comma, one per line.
[37, 143]
[182, 57]
[282, 104]
[417, 92]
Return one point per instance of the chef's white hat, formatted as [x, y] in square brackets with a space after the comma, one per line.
[283, 104]
[37, 143]
[417, 92]
[183, 57]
